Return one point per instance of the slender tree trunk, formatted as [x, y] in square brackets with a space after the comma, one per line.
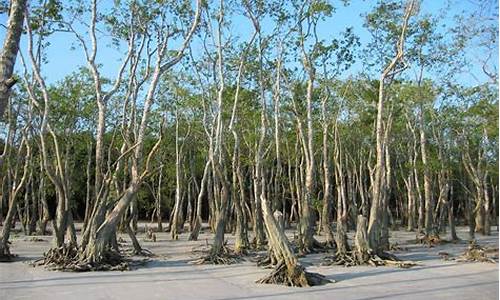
[5, 254]
[342, 209]
[429, 199]
[88, 195]
[44, 214]
[410, 213]
[451, 217]
[307, 221]
[159, 212]
[178, 199]
[487, 213]
[374, 225]
[327, 188]
[197, 224]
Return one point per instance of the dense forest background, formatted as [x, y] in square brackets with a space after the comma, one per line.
[205, 109]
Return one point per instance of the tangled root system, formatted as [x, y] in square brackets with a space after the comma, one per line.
[354, 258]
[341, 259]
[296, 276]
[257, 247]
[429, 240]
[225, 257]
[141, 252]
[67, 258]
[267, 260]
[477, 253]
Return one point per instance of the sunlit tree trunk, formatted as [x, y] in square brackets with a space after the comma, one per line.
[9, 51]
[18, 184]
[374, 225]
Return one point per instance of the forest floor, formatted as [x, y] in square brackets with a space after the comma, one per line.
[170, 276]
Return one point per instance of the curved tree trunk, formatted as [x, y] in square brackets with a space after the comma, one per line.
[5, 254]
[197, 223]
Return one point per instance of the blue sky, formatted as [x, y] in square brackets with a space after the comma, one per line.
[62, 60]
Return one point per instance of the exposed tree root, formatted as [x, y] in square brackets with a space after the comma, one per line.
[429, 240]
[225, 257]
[345, 259]
[269, 260]
[141, 252]
[66, 258]
[318, 247]
[354, 258]
[256, 247]
[150, 235]
[296, 277]
[47, 232]
[328, 245]
[35, 239]
[266, 261]
[477, 253]
[445, 255]
[243, 251]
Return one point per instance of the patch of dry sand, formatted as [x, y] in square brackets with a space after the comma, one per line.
[169, 276]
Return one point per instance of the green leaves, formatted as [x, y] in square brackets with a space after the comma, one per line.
[45, 17]
[320, 8]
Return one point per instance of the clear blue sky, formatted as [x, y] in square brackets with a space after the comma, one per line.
[62, 60]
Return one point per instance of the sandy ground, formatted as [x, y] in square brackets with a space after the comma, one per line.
[169, 276]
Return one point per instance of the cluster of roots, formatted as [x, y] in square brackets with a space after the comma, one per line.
[429, 240]
[297, 277]
[257, 247]
[139, 252]
[225, 257]
[355, 258]
[477, 253]
[266, 261]
[66, 258]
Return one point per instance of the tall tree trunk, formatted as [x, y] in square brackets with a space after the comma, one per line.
[451, 217]
[429, 199]
[487, 213]
[88, 195]
[410, 194]
[19, 183]
[9, 51]
[203, 185]
[327, 188]
[374, 225]
[178, 205]
[288, 271]
[342, 209]
[159, 212]
[307, 220]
